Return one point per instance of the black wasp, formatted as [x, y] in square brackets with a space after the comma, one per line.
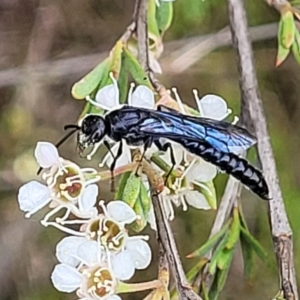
[214, 141]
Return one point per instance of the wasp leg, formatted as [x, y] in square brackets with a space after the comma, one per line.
[165, 147]
[113, 164]
[147, 145]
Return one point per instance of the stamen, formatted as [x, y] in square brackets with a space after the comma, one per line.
[183, 202]
[62, 228]
[180, 104]
[132, 85]
[196, 96]
[89, 99]
[235, 120]
[111, 75]
[94, 150]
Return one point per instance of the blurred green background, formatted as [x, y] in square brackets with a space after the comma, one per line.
[48, 45]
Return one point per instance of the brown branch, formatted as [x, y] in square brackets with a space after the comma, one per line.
[200, 46]
[166, 238]
[281, 231]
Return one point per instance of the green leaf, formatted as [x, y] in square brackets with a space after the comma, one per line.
[296, 46]
[91, 81]
[144, 198]
[164, 15]
[222, 276]
[218, 252]
[191, 274]
[123, 81]
[211, 242]
[141, 222]
[204, 289]
[248, 256]
[225, 258]
[136, 69]
[254, 243]
[132, 189]
[234, 231]
[282, 54]
[209, 193]
[121, 185]
[287, 28]
[153, 31]
[116, 58]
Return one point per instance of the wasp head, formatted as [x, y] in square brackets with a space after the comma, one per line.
[92, 131]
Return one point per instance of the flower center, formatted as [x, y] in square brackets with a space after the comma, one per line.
[100, 283]
[68, 184]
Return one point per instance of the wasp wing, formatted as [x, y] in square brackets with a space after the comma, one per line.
[220, 135]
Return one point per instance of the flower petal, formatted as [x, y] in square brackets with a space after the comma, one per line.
[151, 219]
[114, 297]
[142, 97]
[66, 249]
[89, 252]
[123, 266]
[88, 199]
[108, 97]
[213, 106]
[140, 252]
[46, 154]
[202, 171]
[121, 212]
[65, 278]
[33, 196]
[197, 200]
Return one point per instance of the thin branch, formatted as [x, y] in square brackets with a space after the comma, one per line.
[142, 33]
[166, 238]
[281, 231]
[200, 46]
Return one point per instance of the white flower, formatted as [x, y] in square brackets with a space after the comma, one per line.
[67, 186]
[108, 230]
[195, 171]
[107, 98]
[95, 278]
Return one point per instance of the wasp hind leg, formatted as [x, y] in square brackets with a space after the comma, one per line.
[165, 147]
[113, 164]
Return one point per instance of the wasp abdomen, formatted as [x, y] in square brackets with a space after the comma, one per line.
[232, 164]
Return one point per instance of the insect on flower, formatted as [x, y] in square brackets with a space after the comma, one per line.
[215, 141]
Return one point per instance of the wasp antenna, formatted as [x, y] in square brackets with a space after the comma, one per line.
[59, 143]
[39, 171]
[71, 126]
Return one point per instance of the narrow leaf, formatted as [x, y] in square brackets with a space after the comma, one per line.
[225, 258]
[153, 31]
[121, 185]
[136, 69]
[211, 242]
[132, 190]
[222, 276]
[123, 81]
[248, 256]
[116, 58]
[286, 29]
[141, 222]
[91, 81]
[164, 16]
[234, 231]
[218, 252]
[254, 243]
[296, 47]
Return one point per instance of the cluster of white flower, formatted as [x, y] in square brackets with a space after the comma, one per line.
[99, 254]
